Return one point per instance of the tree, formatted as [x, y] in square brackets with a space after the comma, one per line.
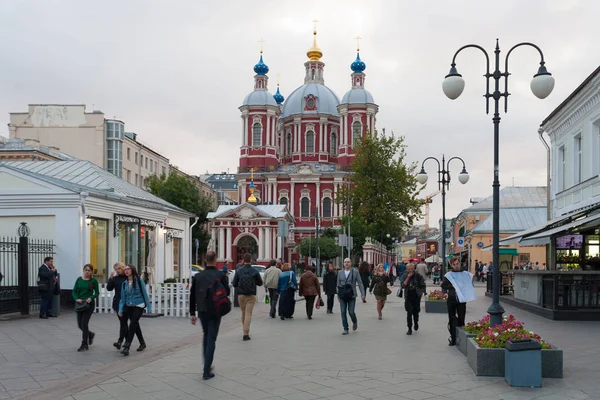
[328, 249]
[183, 193]
[383, 190]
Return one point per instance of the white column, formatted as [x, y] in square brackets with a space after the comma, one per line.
[346, 140]
[268, 254]
[213, 236]
[221, 243]
[368, 122]
[292, 199]
[242, 198]
[245, 134]
[261, 243]
[229, 241]
[268, 135]
[274, 131]
[318, 199]
[275, 194]
[320, 137]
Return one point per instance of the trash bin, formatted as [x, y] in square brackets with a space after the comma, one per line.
[523, 363]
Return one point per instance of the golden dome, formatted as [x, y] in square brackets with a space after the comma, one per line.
[314, 53]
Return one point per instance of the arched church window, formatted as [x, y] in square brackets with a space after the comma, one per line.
[356, 132]
[283, 201]
[326, 207]
[288, 144]
[305, 207]
[334, 144]
[256, 134]
[310, 142]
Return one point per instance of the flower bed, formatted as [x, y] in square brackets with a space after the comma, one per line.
[437, 295]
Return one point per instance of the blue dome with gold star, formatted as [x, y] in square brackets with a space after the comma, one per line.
[358, 65]
[261, 68]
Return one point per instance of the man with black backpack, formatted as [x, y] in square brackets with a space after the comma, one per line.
[246, 280]
[209, 295]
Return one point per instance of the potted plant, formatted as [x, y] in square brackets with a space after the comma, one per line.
[436, 302]
[485, 352]
[470, 330]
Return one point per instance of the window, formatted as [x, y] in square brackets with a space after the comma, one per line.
[151, 166]
[128, 176]
[333, 144]
[99, 247]
[164, 171]
[156, 166]
[578, 160]
[561, 169]
[283, 201]
[176, 258]
[310, 142]
[326, 207]
[305, 207]
[146, 163]
[289, 144]
[256, 134]
[136, 179]
[136, 158]
[356, 132]
[141, 160]
[128, 153]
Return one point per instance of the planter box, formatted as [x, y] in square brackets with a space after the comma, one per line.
[440, 307]
[461, 339]
[490, 362]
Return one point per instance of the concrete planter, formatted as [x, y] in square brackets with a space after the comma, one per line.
[490, 362]
[461, 339]
[439, 307]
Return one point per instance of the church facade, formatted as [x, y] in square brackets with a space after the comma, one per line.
[294, 152]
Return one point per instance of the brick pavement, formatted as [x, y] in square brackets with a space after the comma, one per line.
[302, 359]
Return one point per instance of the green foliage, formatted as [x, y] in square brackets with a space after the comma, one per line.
[328, 249]
[183, 193]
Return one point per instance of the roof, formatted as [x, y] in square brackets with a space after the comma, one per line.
[515, 197]
[514, 220]
[571, 96]
[269, 211]
[411, 241]
[327, 101]
[259, 98]
[357, 96]
[84, 176]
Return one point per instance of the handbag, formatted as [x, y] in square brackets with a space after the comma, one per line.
[346, 292]
[80, 307]
[389, 291]
[320, 302]
[318, 305]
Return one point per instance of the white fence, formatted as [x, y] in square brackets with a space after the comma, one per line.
[169, 299]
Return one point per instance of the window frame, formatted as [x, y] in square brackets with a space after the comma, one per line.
[330, 209]
[356, 124]
[256, 134]
[310, 134]
[302, 203]
[333, 144]
[561, 168]
[577, 159]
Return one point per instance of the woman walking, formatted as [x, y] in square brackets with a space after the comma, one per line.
[115, 282]
[131, 306]
[365, 273]
[287, 289]
[310, 288]
[379, 288]
[84, 293]
[329, 287]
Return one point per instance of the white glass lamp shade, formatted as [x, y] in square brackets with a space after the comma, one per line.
[542, 84]
[463, 177]
[453, 84]
[422, 177]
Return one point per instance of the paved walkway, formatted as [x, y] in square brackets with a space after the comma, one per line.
[302, 359]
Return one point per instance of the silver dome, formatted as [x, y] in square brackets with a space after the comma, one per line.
[327, 101]
[357, 96]
[259, 98]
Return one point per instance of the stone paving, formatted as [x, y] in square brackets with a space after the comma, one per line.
[309, 359]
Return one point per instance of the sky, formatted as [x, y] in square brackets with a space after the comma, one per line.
[176, 72]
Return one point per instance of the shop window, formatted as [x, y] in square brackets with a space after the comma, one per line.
[177, 258]
[524, 258]
[98, 229]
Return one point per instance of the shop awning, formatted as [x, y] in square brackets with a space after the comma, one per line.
[508, 252]
[544, 236]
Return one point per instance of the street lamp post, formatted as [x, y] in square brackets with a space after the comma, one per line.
[316, 215]
[443, 185]
[541, 86]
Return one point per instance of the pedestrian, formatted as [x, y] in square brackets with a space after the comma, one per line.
[379, 288]
[329, 286]
[347, 279]
[201, 302]
[456, 309]
[246, 280]
[134, 299]
[365, 274]
[271, 278]
[477, 270]
[422, 269]
[484, 272]
[47, 280]
[413, 284]
[115, 282]
[287, 290]
[310, 289]
[85, 293]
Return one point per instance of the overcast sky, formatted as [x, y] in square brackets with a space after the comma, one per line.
[176, 71]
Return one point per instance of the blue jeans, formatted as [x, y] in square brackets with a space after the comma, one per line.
[347, 305]
[45, 306]
[210, 326]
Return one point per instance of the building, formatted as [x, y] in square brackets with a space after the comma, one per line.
[420, 231]
[204, 188]
[407, 249]
[427, 247]
[93, 216]
[297, 151]
[225, 186]
[140, 161]
[28, 150]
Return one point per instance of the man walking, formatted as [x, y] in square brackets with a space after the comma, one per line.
[47, 279]
[347, 279]
[414, 286]
[271, 281]
[329, 286]
[246, 280]
[209, 319]
[422, 269]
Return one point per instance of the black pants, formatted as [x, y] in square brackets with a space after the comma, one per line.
[123, 329]
[456, 316]
[330, 299]
[310, 305]
[83, 321]
[133, 315]
[273, 297]
[412, 307]
[210, 326]
[45, 305]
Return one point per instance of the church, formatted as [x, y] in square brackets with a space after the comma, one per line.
[295, 157]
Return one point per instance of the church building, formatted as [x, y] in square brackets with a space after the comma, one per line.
[294, 152]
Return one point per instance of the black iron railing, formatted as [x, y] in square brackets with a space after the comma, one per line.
[506, 287]
[571, 292]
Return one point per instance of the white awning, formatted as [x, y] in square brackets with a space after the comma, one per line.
[544, 236]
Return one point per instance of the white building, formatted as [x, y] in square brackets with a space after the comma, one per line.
[94, 217]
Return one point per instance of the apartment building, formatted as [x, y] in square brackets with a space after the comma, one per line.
[140, 161]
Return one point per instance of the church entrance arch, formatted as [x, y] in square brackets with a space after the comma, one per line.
[246, 244]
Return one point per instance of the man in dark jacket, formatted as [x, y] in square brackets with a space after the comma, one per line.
[456, 309]
[330, 287]
[414, 286]
[198, 302]
[246, 280]
[47, 278]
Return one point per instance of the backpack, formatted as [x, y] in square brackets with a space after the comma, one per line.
[217, 301]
